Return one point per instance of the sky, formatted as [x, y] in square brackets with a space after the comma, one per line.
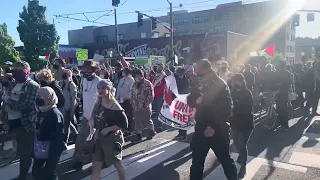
[9, 13]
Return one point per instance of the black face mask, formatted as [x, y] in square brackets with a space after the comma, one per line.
[39, 102]
[43, 83]
[55, 66]
[5, 84]
[64, 76]
[88, 76]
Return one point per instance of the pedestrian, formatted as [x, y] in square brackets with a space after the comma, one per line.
[59, 65]
[183, 85]
[89, 96]
[141, 99]
[22, 102]
[69, 89]
[159, 84]
[45, 78]
[213, 104]
[49, 141]
[242, 119]
[109, 121]
[123, 95]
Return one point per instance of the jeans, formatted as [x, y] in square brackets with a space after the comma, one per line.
[69, 123]
[200, 145]
[46, 168]
[156, 108]
[241, 139]
[282, 109]
[126, 105]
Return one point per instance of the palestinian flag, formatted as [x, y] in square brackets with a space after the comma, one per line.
[44, 58]
[268, 52]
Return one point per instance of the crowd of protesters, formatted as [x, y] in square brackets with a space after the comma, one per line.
[58, 106]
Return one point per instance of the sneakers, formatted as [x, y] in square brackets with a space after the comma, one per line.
[77, 166]
[137, 139]
[242, 172]
[152, 134]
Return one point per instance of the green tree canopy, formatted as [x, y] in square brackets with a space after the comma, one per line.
[7, 50]
[37, 34]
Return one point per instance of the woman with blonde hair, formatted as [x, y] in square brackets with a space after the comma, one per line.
[45, 78]
[108, 118]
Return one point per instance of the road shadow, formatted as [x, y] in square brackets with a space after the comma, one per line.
[283, 140]
[167, 168]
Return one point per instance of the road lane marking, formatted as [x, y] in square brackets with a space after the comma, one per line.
[253, 166]
[147, 160]
[305, 159]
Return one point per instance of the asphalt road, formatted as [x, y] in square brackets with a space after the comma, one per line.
[292, 155]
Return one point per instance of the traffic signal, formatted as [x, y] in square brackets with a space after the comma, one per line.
[115, 3]
[140, 20]
[296, 20]
[154, 23]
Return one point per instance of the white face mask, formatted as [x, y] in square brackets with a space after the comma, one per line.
[101, 76]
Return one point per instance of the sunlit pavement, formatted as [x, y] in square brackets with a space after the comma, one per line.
[292, 155]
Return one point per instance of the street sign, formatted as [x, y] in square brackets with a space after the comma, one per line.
[310, 17]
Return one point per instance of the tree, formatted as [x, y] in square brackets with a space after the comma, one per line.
[37, 34]
[7, 50]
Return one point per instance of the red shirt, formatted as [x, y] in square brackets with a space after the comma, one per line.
[159, 90]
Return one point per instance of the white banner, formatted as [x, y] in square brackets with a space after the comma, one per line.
[176, 113]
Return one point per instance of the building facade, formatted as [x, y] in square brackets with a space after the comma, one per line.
[105, 34]
[247, 19]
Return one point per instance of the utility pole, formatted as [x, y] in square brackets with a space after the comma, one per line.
[171, 32]
[116, 29]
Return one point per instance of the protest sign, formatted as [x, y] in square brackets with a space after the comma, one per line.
[82, 54]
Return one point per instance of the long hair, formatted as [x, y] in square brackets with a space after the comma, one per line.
[99, 100]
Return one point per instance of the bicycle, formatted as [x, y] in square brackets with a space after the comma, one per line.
[7, 155]
[271, 114]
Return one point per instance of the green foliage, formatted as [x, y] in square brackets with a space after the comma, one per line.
[7, 50]
[37, 34]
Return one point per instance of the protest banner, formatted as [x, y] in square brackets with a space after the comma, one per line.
[176, 113]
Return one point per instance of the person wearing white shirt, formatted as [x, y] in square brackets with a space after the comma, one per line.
[123, 95]
[89, 96]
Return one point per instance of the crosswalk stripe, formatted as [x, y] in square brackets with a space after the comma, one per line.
[311, 136]
[253, 166]
[305, 159]
[11, 171]
[145, 161]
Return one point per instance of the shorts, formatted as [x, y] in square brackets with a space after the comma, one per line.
[108, 149]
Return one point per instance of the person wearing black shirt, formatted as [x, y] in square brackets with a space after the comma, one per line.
[282, 83]
[242, 119]
[183, 86]
[49, 132]
[249, 77]
[109, 121]
[212, 99]
[46, 79]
